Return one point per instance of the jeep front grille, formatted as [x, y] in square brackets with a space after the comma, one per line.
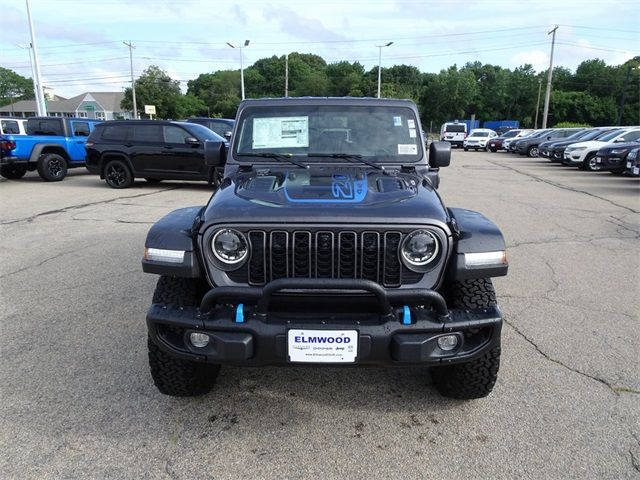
[369, 255]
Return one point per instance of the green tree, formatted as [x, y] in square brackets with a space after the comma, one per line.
[156, 87]
[219, 91]
[14, 87]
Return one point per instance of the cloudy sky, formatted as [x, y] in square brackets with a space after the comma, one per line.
[80, 41]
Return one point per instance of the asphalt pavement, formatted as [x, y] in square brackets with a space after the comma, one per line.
[77, 400]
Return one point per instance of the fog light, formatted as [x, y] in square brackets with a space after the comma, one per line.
[446, 342]
[199, 340]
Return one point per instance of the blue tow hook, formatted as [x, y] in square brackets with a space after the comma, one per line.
[240, 313]
[406, 315]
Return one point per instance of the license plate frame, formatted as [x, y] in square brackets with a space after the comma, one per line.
[333, 346]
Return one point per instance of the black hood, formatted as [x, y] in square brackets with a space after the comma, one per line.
[619, 146]
[325, 194]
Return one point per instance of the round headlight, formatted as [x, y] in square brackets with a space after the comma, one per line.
[229, 246]
[419, 248]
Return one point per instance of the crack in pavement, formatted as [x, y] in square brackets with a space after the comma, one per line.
[562, 241]
[616, 390]
[82, 205]
[566, 187]
[634, 461]
[43, 262]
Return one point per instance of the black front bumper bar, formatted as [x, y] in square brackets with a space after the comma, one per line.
[403, 330]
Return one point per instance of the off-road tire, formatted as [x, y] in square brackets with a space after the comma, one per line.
[117, 174]
[13, 171]
[52, 167]
[474, 379]
[171, 375]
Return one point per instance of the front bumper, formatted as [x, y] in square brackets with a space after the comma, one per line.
[243, 331]
[611, 163]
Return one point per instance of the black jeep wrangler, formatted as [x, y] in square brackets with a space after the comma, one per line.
[326, 243]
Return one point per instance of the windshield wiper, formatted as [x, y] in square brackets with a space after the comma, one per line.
[275, 156]
[348, 156]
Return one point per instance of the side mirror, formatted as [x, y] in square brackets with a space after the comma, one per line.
[439, 154]
[227, 135]
[193, 141]
[213, 153]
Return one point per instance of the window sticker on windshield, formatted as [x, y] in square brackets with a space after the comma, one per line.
[281, 132]
[411, 124]
[397, 121]
[407, 149]
[412, 132]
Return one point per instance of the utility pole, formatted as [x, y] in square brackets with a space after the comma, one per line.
[33, 72]
[286, 75]
[538, 102]
[246, 44]
[40, 103]
[133, 83]
[547, 96]
[624, 95]
[380, 47]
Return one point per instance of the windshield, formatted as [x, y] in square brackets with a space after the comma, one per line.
[203, 132]
[609, 135]
[455, 128]
[510, 133]
[578, 134]
[479, 134]
[381, 132]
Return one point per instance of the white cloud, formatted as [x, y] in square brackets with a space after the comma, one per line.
[537, 58]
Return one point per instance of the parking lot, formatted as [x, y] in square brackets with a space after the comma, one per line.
[78, 401]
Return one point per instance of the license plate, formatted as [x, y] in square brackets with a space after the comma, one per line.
[636, 170]
[628, 164]
[323, 346]
[492, 144]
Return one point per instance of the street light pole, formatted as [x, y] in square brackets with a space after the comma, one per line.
[286, 75]
[133, 83]
[246, 44]
[547, 96]
[42, 106]
[538, 103]
[380, 47]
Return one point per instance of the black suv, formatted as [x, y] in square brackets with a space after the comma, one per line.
[326, 244]
[222, 126]
[155, 150]
[530, 146]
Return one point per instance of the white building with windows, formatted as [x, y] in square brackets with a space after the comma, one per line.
[96, 105]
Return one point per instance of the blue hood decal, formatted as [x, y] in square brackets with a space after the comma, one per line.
[339, 188]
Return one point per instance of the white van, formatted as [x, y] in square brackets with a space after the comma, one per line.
[454, 133]
[13, 126]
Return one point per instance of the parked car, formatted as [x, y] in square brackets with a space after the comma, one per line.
[155, 150]
[221, 126]
[555, 151]
[478, 139]
[613, 157]
[13, 126]
[508, 144]
[633, 162]
[544, 147]
[530, 146]
[513, 145]
[583, 154]
[51, 146]
[325, 246]
[497, 143]
[454, 133]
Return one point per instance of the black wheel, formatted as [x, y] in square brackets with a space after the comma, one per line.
[153, 180]
[466, 149]
[474, 379]
[52, 167]
[13, 171]
[533, 152]
[171, 375]
[590, 163]
[117, 174]
[494, 150]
